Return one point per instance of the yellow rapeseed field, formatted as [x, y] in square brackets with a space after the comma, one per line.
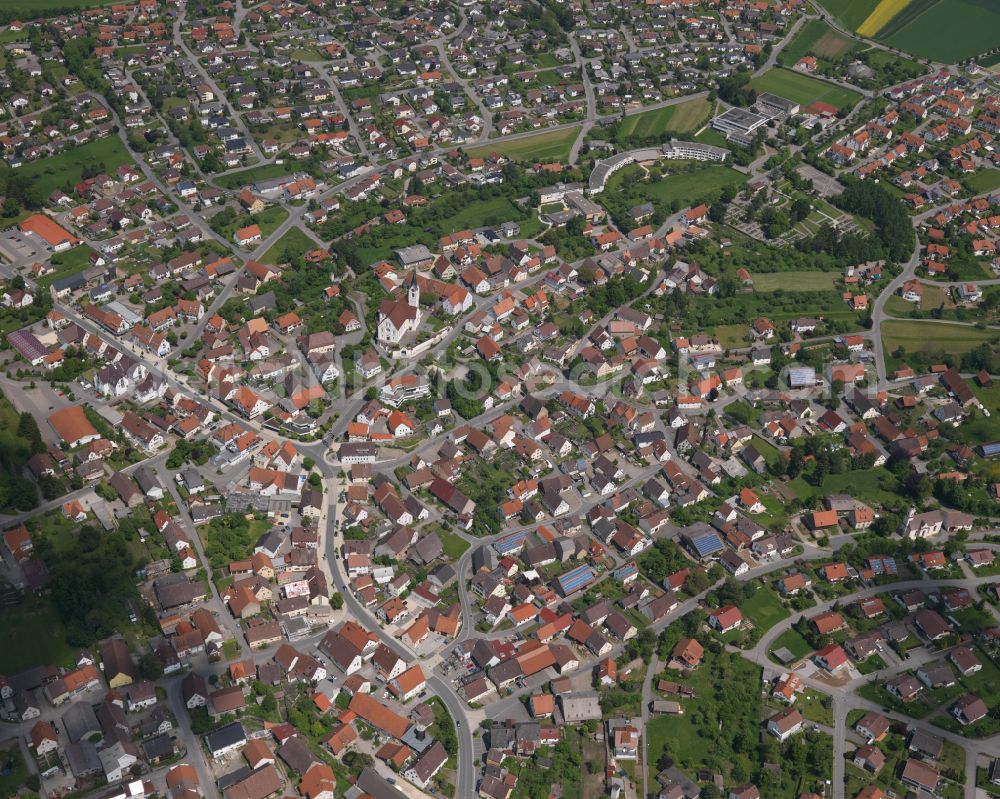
[883, 12]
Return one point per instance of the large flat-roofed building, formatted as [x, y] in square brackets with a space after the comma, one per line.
[739, 125]
[580, 706]
[693, 151]
[774, 104]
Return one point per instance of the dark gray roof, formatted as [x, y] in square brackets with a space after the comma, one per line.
[79, 721]
[223, 737]
[376, 787]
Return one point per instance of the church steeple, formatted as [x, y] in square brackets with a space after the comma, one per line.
[413, 291]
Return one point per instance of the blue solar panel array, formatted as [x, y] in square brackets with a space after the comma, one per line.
[707, 544]
[510, 543]
[575, 579]
[882, 565]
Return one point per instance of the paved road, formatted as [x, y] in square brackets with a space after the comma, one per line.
[647, 697]
[466, 775]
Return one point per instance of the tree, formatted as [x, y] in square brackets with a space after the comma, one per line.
[696, 582]
[27, 430]
[336, 600]
[150, 666]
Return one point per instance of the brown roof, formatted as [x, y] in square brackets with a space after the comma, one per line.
[374, 712]
[71, 424]
[257, 785]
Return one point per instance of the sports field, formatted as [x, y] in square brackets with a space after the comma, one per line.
[818, 39]
[681, 118]
[553, 145]
[803, 89]
[945, 30]
[880, 17]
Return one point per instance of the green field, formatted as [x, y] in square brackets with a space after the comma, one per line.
[24, 647]
[454, 545]
[874, 486]
[795, 281]
[946, 30]
[686, 187]
[246, 177]
[487, 213]
[851, 12]
[877, 58]
[67, 263]
[269, 220]
[292, 243]
[553, 145]
[24, 10]
[66, 168]
[984, 180]
[689, 738]
[792, 641]
[713, 137]
[681, 118]
[818, 39]
[764, 609]
[15, 771]
[802, 89]
[918, 336]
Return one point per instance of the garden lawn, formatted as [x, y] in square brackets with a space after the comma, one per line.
[811, 705]
[246, 177]
[486, 213]
[687, 187]
[687, 738]
[294, 243]
[795, 281]
[731, 336]
[553, 145]
[269, 220]
[768, 451]
[67, 263]
[793, 641]
[984, 180]
[764, 609]
[24, 646]
[454, 545]
[14, 771]
[56, 171]
[710, 136]
[802, 89]
[871, 485]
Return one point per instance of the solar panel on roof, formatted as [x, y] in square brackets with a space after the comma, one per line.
[707, 544]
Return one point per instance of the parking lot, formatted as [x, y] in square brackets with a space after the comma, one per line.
[19, 249]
